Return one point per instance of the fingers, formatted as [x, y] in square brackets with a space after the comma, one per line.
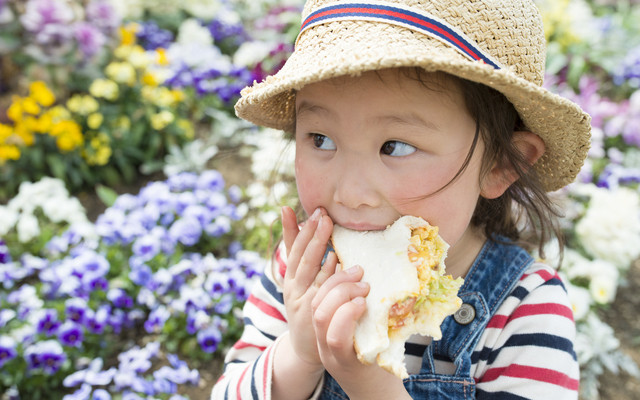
[339, 333]
[353, 275]
[308, 246]
[289, 227]
[310, 263]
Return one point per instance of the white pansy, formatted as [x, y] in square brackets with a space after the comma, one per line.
[129, 9]
[8, 219]
[27, 227]
[610, 228]
[203, 9]
[604, 281]
[197, 55]
[580, 299]
[273, 155]
[191, 31]
[251, 53]
[575, 265]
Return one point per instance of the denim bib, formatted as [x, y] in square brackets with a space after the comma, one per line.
[489, 281]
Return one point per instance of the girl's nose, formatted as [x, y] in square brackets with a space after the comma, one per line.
[355, 186]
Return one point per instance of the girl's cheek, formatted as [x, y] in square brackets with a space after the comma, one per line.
[311, 185]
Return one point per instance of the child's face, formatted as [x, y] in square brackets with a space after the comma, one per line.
[372, 148]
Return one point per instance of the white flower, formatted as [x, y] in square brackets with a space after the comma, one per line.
[575, 265]
[274, 155]
[27, 227]
[204, 9]
[580, 300]
[8, 219]
[197, 55]
[610, 229]
[250, 53]
[604, 282]
[595, 340]
[129, 9]
[191, 31]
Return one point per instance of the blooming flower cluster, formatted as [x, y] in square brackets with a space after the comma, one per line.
[161, 262]
[55, 31]
[36, 213]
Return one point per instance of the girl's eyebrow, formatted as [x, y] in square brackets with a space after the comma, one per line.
[411, 118]
[307, 107]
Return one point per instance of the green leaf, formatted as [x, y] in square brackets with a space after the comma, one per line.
[107, 195]
[57, 166]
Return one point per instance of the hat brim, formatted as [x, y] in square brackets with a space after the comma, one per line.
[562, 125]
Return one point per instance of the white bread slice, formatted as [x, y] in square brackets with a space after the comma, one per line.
[384, 257]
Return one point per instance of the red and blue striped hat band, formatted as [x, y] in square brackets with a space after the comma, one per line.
[398, 15]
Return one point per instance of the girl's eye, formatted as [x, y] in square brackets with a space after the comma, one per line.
[395, 148]
[322, 142]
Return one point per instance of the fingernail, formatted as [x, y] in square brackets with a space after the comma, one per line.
[353, 270]
[362, 285]
[315, 215]
[358, 301]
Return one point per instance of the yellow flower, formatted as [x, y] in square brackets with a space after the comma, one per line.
[162, 58]
[30, 106]
[8, 152]
[58, 113]
[21, 106]
[24, 134]
[39, 92]
[159, 96]
[5, 132]
[104, 88]
[187, 128]
[178, 95]
[121, 72]
[95, 120]
[160, 120]
[14, 112]
[83, 104]
[98, 152]
[139, 58]
[149, 79]
[68, 135]
[43, 123]
[128, 34]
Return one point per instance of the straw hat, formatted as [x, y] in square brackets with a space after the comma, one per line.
[497, 43]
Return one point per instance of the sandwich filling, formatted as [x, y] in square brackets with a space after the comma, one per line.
[425, 251]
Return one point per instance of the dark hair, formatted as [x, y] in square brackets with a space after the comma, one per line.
[524, 212]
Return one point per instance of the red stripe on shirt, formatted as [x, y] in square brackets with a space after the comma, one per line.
[543, 273]
[532, 373]
[240, 344]
[282, 266]
[265, 372]
[266, 308]
[238, 395]
[528, 310]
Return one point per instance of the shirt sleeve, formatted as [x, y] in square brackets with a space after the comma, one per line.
[248, 364]
[527, 349]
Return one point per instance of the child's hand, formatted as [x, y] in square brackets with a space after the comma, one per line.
[336, 307]
[305, 274]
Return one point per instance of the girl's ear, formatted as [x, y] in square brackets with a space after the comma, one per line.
[503, 173]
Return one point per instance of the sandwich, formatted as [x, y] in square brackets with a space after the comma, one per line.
[409, 291]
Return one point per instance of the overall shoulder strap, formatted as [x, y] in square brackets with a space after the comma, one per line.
[491, 278]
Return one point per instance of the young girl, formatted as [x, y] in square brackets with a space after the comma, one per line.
[425, 108]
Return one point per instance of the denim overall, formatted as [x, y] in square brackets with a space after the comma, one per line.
[489, 281]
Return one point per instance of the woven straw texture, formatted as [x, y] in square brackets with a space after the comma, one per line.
[510, 31]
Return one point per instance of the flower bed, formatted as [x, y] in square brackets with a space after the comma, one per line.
[140, 301]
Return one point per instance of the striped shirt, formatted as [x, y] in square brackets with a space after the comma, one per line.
[525, 352]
